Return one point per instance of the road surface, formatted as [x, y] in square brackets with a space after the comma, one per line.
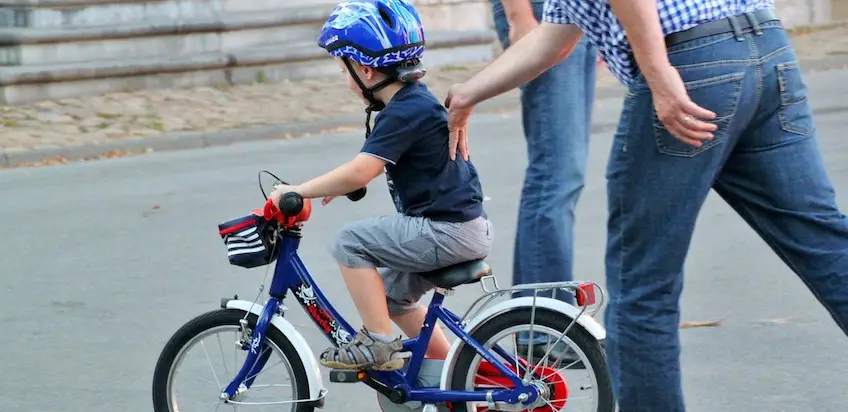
[102, 261]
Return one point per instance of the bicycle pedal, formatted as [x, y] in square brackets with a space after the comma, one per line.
[347, 376]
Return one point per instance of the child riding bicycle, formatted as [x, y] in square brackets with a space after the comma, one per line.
[440, 221]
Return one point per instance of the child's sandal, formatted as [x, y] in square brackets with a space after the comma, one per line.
[365, 352]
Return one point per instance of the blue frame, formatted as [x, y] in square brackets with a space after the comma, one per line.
[290, 274]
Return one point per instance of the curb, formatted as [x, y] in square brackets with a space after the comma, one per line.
[197, 140]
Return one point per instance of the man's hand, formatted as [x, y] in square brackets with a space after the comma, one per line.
[541, 49]
[640, 20]
[677, 111]
[459, 110]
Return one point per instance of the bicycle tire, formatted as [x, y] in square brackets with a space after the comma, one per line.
[557, 321]
[212, 319]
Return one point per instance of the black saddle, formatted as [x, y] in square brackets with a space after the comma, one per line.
[463, 273]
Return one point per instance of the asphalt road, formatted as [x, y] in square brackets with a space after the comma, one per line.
[103, 261]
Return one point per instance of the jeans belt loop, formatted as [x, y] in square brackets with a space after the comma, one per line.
[755, 23]
[736, 30]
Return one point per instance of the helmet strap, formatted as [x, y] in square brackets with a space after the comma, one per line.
[374, 105]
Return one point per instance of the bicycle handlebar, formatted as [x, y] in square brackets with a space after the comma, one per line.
[357, 194]
[292, 203]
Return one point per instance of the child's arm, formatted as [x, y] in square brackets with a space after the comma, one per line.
[342, 180]
[390, 138]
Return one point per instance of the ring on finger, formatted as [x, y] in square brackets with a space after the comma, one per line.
[687, 118]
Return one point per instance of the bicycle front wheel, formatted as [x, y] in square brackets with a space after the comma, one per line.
[204, 355]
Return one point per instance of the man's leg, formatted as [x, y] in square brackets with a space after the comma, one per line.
[556, 115]
[776, 180]
[656, 188]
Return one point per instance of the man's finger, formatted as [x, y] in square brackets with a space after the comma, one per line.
[694, 110]
[679, 133]
[688, 134]
[452, 142]
[691, 129]
[464, 148]
[692, 122]
[697, 129]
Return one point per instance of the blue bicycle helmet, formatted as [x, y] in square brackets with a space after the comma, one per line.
[384, 34]
[376, 33]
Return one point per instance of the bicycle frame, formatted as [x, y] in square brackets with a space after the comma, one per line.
[290, 274]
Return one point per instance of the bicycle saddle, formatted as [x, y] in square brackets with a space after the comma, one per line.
[463, 273]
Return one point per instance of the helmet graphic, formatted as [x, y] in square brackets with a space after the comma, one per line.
[376, 33]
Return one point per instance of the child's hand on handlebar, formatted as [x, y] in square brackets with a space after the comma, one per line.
[279, 191]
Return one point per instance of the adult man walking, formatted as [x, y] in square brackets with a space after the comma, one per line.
[556, 114]
[716, 100]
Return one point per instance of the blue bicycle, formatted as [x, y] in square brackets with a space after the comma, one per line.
[487, 368]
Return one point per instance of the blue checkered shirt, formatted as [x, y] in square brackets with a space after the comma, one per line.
[600, 25]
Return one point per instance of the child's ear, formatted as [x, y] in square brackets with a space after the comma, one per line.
[368, 71]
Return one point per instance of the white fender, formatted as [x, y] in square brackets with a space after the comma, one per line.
[587, 322]
[310, 362]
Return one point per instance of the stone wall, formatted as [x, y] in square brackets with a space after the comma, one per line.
[455, 14]
[476, 14]
[795, 13]
[442, 14]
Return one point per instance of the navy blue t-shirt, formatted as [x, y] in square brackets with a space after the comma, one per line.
[411, 135]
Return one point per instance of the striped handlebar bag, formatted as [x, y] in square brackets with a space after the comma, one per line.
[249, 241]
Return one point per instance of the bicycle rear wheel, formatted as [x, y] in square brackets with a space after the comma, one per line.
[220, 357]
[564, 389]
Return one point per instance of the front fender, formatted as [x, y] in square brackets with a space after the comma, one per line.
[310, 362]
[586, 322]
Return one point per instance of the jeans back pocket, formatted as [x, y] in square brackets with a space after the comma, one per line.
[719, 94]
[794, 111]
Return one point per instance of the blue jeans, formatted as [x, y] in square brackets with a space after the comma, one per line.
[764, 162]
[556, 115]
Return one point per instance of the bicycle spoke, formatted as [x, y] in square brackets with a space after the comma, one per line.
[256, 375]
[492, 382]
[208, 359]
[235, 352]
[185, 394]
[221, 346]
[196, 377]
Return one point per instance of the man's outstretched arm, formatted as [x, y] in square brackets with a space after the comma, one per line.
[538, 51]
[546, 45]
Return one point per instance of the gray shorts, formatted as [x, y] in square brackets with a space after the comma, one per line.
[400, 245]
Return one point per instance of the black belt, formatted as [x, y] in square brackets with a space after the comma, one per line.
[725, 25]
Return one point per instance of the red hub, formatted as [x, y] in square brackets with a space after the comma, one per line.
[489, 377]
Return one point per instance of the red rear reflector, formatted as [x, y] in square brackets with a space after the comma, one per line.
[585, 294]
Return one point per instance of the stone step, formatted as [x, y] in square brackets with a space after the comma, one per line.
[24, 84]
[87, 13]
[223, 33]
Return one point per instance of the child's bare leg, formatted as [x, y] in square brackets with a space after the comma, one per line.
[373, 347]
[411, 324]
[364, 284]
